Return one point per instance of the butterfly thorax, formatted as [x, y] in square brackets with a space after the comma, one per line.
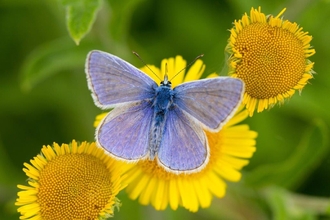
[162, 103]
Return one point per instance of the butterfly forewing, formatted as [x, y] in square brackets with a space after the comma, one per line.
[124, 131]
[114, 81]
[184, 146]
[210, 101]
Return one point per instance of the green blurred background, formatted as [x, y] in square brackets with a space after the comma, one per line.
[44, 96]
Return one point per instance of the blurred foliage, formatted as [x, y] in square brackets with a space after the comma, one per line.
[80, 15]
[44, 96]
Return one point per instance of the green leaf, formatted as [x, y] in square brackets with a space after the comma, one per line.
[307, 156]
[283, 206]
[80, 16]
[50, 59]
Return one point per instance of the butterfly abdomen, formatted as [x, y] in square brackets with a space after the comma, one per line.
[161, 104]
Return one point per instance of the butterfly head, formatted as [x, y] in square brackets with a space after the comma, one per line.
[165, 82]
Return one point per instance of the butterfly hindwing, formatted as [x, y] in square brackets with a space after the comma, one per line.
[211, 101]
[124, 132]
[184, 147]
[115, 81]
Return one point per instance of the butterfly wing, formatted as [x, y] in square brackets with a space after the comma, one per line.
[124, 131]
[210, 101]
[114, 81]
[184, 146]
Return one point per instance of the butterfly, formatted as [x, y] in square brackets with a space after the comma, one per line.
[157, 122]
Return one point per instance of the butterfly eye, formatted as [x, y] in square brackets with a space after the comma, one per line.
[167, 83]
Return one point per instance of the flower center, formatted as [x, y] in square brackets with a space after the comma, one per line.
[273, 60]
[152, 168]
[74, 186]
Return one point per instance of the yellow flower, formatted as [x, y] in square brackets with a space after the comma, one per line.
[229, 152]
[271, 56]
[174, 66]
[75, 181]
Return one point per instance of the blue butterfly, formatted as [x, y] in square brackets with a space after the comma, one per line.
[151, 121]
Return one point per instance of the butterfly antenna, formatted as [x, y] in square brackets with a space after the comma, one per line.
[199, 56]
[138, 56]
